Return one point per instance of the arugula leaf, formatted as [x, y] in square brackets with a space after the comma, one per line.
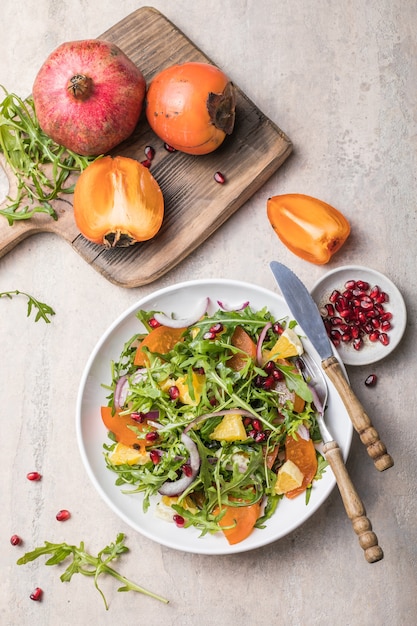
[88, 565]
[41, 166]
[43, 310]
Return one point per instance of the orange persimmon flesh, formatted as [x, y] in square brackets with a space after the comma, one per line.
[244, 518]
[119, 426]
[303, 454]
[240, 339]
[161, 340]
[117, 202]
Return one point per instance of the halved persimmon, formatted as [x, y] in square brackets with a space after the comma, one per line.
[117, 202]
[160, 339]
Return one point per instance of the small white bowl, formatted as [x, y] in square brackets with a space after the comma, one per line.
[371, 351]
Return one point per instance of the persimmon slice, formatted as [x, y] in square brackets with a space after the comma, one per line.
[119, 426]
[242, 340]
[303, 453]
[241, 518]
[160, 339]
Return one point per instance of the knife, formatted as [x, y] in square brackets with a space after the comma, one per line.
[306, 313]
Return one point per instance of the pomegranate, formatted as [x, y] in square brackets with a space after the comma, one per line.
[88, 96]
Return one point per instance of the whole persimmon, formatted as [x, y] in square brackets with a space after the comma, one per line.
[118, 202]
[191, 107]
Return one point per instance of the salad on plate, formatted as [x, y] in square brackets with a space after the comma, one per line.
[211, 415]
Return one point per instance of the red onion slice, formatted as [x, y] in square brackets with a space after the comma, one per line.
[206, 416]
[260, 343]
[177, 487]
[227, 307]
[303, 432]
[184, 322]
[120, 392]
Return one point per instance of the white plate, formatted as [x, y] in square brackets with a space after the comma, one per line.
[91, 433]
[371, 352]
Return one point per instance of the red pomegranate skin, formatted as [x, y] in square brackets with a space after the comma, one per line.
[108, 111]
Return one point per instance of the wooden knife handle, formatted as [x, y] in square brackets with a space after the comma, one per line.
[353, 504]
[360, 420]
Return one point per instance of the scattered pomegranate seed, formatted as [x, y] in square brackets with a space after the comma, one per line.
[33, 476]
[371, 380]
[278, 328]
[355, 313]
[138, 417]
[15, 540]
[153, 323]
[149, 152]
[179, 520]
[173, 392]
[146, 163]
[36, 594]
[152, 436]
[216, 328]
[209, 335]
[219, 178]
[169, 148]
[63, 515]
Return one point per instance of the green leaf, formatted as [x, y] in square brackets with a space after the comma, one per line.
[44, 311]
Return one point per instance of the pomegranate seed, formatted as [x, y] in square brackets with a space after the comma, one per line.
[186, 468]
[247, 421]
[199, 370]
[277, 375]
[36, 594]
[370, 381]
[15, 540]
[152, 436]
[169, 148]
[153, 323]
[385, 326]
[154, 456]
[33, 476]
[257, 425]
[362, 284]
[334, 296]
[146, 163]
[375, 292]
[63, 515]
[386, 316]
[173, 392]
[138, 417]
[149, 152]
[384, 339]
[209, 335]
[330, 309]
[260, 437]
[179, 520]
[219, 178]
[278, 328]
[216, 328]
[252, 433]
[357, 343]
[268, 382]
[374, 336]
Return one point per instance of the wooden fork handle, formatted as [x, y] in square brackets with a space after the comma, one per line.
[360, 420]
[353, 504]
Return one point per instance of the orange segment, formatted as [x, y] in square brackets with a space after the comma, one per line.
[289, 477]
[288, 344]
[240, 339]
[161, 339]
[244, 518]
[303, 453]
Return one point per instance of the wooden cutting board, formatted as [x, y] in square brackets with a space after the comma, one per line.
[195, 205]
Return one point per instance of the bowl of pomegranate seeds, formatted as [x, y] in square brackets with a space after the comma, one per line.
[363, 312]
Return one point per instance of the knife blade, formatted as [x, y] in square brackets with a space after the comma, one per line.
[307, 314]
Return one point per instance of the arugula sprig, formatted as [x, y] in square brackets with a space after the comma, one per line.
[88, 565]
[43, 310]
[40, 165]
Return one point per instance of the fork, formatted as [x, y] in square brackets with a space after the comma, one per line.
[354, 507]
